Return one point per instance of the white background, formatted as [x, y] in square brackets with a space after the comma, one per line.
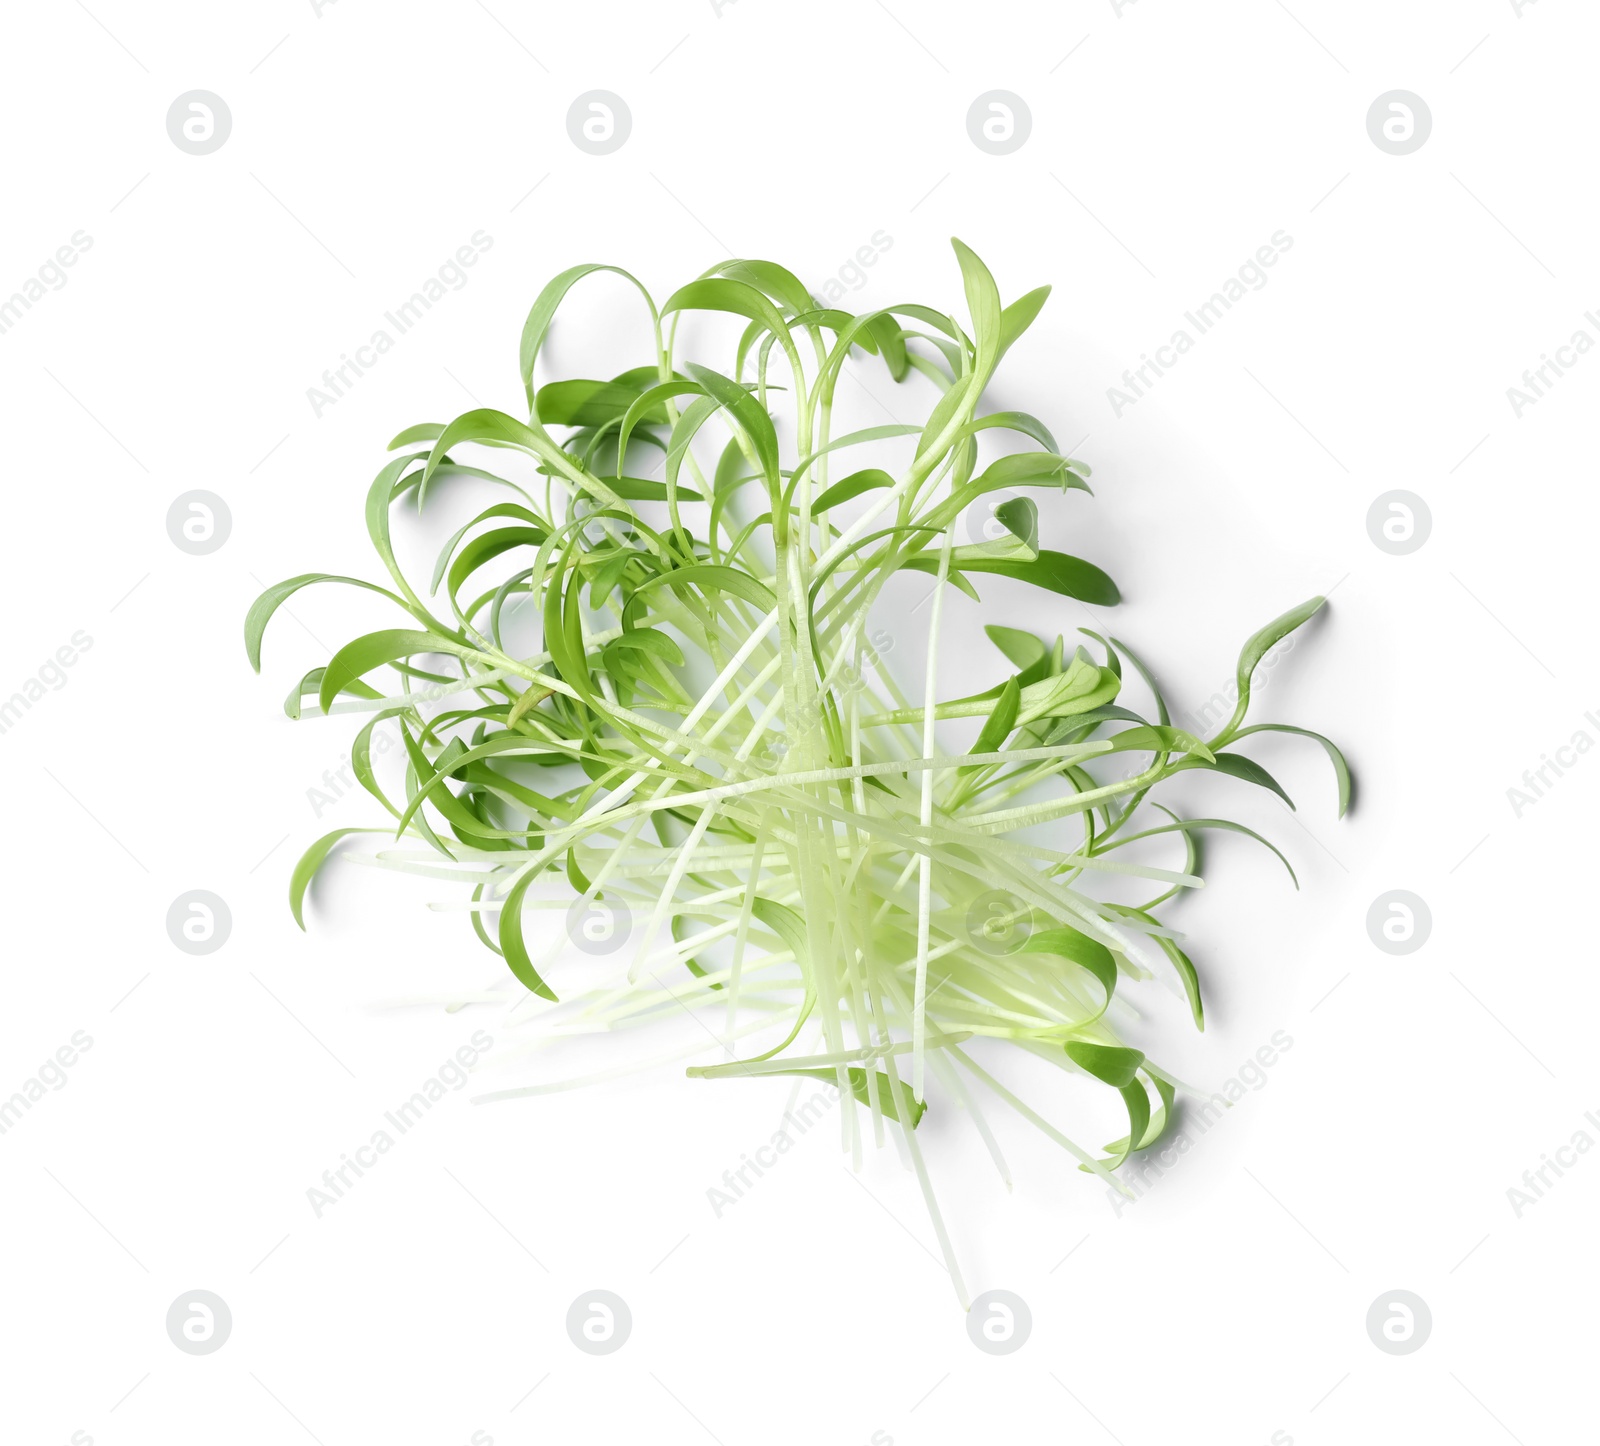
[1168, 143]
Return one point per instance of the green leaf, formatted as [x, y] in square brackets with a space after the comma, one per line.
[854, 439]
[642, 489]
[712, 577]
[1020, 517]
[957, 580]
[543, 313]
[983, 302]
[1019, 316]
[386, 486]
[852, 486]
[1068, 943]
[1001, 722]
[1257, 648]
[785, 923]
[1190, 825]
[1084, 686]
[1152, 739]
[568, 660]
[944, 412]
[512, 944]
[310, 685]
[477, 922]
[422, 432]
[431, 787]
[490, 428]
[579, 402]
[858, 1087]
[680, 932]
[723, 294]
[262, 609]
[653, 641]
[1138, 1103]
[1341, 769]
[356, 659]
[312, 860]
[1187, 973]
[732, 469]
[1031, 469]
[607, 576]
[1021, 422]
[487, 546]
[1092, 718]
[751, 416]
[1022, 649]
[1114, 1064]
[1113, 658]
[876, 331]
[791, 930]
[1162, 715]
[649, 404]
[1054, 571]
[1142, 1130]
[778, 282]
[361, 756]
[572, 627]
[1236, 765]
[500, 509]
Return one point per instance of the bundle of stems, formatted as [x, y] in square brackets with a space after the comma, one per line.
[708, 766]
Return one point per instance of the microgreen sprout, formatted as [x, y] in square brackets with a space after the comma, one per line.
[705, 742]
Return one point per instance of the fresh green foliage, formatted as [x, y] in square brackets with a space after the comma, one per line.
[707, 742]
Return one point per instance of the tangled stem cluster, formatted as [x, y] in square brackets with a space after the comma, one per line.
[707, 748]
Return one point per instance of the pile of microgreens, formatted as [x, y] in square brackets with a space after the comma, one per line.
[707, 748]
